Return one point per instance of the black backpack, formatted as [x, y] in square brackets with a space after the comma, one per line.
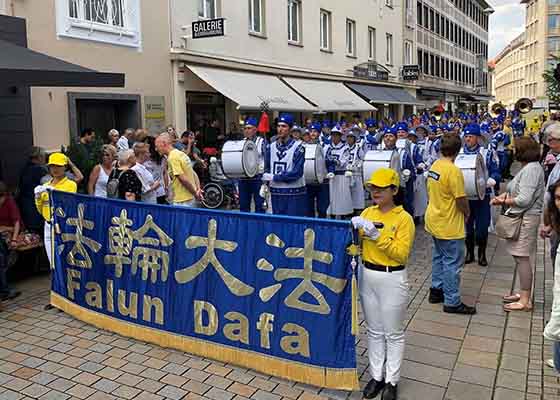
[113, 184]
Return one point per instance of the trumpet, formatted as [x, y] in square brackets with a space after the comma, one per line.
[524, 105]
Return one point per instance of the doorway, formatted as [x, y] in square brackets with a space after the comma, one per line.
[206, 116]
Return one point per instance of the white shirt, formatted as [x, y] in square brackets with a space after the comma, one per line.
[147, 179]
[122, 144]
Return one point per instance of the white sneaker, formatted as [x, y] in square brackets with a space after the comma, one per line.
[550, 363]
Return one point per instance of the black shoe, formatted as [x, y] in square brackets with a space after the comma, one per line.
[436, 296]
[460, 309]
[390, 392]
[373, 388]
[48, 307]
[469, 241]
[482, 244]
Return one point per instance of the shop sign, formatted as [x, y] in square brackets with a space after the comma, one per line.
[208, 28]
[410, 72]
[155, 113]
[372, 71]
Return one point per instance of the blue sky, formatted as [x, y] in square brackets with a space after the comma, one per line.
[506, 23]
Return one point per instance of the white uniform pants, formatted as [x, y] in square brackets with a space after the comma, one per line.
[47, 239]
[384, 297]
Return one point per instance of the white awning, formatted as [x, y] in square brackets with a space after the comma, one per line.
[250, 90]
[329, 96]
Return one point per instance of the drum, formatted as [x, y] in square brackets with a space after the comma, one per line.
[474, 171]
[375, 159]
[314, 169]
[240, 159]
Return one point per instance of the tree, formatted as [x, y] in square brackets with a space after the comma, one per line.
[552, 82]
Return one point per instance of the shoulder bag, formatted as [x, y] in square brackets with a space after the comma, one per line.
[508, 225]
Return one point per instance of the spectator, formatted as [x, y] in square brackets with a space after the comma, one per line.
[184, 184]
[546, 230]
[113, 137]
[83, 154]
[157, 165]
[97, 183]
[524, 196]
[29, 178]
[10, 226]
[130, 186]
[190, 149]
[140, 135]
[124, 141]
[149, 184]
[448, 208]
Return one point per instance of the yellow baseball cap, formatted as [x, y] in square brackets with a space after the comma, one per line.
[384, 177]
[58, 159]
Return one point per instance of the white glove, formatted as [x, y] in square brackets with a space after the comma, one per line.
[261, 169]
[39, 190]
[405, 175]
[370, 230]
[267, 177]
[422, 166]
[357, 222]
[330, 175]
[348, 174]
[426, 173]
[213, 160]
[491, 182]
[263, 191]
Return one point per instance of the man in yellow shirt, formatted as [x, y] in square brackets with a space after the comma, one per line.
[184, 183]
[448, 208]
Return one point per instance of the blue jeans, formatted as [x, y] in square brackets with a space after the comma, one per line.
[447, 262]
[556, 349]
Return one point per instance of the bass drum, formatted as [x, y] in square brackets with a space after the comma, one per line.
[375, 159]
[240, 159]
[475, 173]
[314, 169]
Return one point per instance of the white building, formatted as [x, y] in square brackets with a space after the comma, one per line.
[297, 55]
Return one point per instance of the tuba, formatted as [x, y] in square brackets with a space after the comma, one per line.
[497, 109]
[437, 112]
[524, 105]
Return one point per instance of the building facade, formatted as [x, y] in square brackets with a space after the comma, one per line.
[509, 72]
[131, 37]
[299, 41]
[452, 51]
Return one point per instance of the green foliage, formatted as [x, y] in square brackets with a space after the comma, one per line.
[552, 85]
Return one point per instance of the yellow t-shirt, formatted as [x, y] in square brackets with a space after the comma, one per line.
[393, 246]
[42, 203]
[178, 163]
[446, 184]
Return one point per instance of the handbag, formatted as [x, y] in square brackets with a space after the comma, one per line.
[508, 225]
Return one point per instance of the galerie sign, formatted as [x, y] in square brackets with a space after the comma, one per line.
[208, 28]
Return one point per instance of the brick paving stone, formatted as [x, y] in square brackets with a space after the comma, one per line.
[471, 374]
[466, 391]
[425, 373]
[155, 363]
[44, 378]
[80, 391]
[25, 373]
[482, 343]
[240, 377]
[67, 372]
[245, 390]
[172, 392]
[175, 369]
[106, 385]
[263, 384]
[514, 363]
[511, 380]
[148, 396]
[515, 348]
[32, 362]
[478, 358]
[219, 381]
[114, 362]
[149, 385]
[61, 384]
[129, 379]
[86, 378]
[285, 391]
[101, 396]
[196, 374]
[433, 342]
[508, 394]
[132, 368]
[219, 394]
[153, 374]
[109, 373]
[10, 395]
[430, 356]
[17, 384]
[35, 390]
[126, 392]
[54, 395]
[263, 395]
[217, 370]
[175, 380]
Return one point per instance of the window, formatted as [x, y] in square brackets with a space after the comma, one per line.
[432, 65]
[420, 57]
[446, 68]
[325, 30]
[207, 9]
[294, 21]
[553, 44]
[437, 72]
[108, 21]
[407, 52]
[431, 20]
[426, 63]
[389, 49]
[419, 13]
[372, 44]
[256, 16]
[350, 38]
[553, 21]
[437, 24]
[426, 17]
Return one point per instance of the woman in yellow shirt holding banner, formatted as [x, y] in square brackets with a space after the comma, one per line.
[387, 234]
[57, 169]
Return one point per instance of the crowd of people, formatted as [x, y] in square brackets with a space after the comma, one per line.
[427, 187]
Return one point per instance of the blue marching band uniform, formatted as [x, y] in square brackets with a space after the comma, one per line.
[342, 192]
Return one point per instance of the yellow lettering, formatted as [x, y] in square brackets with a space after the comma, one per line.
[93, 295]
[132, 309]
[211, 328]
[71, 284]
[110, 297]
[298, 343]
[264, 325]
[147, 309]
[238, 331]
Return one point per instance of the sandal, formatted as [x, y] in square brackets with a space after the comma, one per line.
[511, 298]
[517, 306]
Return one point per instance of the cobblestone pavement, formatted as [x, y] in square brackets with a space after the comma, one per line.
[50, 356]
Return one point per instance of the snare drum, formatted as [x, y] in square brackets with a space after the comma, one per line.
[475, 173]
[240, 159]
[375, 159]
[314, 169]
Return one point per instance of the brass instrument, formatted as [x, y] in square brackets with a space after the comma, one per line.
[437, 112]
[497, 109]
[524, 105]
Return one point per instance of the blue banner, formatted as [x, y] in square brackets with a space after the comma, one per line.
[266, 292]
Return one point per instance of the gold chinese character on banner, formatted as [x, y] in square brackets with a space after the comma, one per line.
[80, 241]
[307, 275]
[150, 260]
[212, 244]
